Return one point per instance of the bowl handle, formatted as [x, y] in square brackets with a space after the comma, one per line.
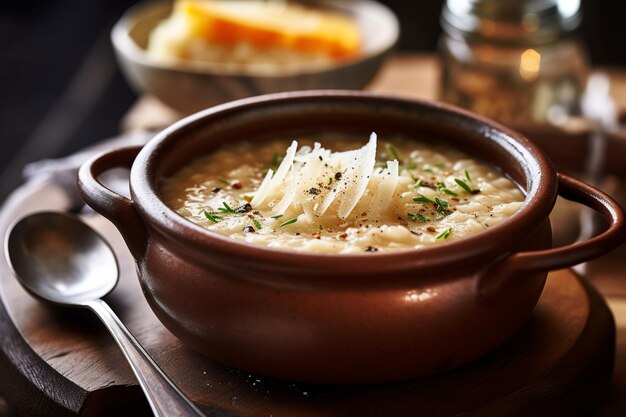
[523, 263]
[117, 208]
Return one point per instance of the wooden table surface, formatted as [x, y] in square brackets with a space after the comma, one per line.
[417, 76]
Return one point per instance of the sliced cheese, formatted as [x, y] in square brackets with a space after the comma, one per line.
[274, 180]
[363, 167]
[306, 181]
[350, 164]
[387, 186]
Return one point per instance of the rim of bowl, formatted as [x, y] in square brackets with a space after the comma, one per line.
[125, 44]
[541, 192]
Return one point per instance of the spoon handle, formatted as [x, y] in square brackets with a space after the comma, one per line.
[164, 397]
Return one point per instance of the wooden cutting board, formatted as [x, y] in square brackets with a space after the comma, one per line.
[62, 362]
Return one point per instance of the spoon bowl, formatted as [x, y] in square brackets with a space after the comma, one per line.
[58, 258]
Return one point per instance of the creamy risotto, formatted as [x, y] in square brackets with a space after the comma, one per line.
[384, 196]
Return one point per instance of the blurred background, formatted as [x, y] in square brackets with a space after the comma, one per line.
[61, 88]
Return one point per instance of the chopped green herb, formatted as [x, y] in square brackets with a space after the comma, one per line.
[288, 222]
[463, 185]
[211, 217]
[276, 159]
[321, 227]
[440, 166]
[410, 166]
[226, 208]
[393, 152]
[442, 187]
[426, 169]
[423, 199]
[441, 207]
[330, 180]
[223, 181]
[415, 217]
[467, 176]
[278, 216]
[419, 183]
[443, 211]
[257, 224]
[445, 234]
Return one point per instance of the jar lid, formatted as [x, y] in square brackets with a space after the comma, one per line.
[511, 21]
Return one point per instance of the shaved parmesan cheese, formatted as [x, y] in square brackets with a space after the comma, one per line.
[352, 165]
[303, 178]
[363, 164]
[302, 181]
[275, 180]
[383, 197]
[285, 165]
[282, 205]
[262, 192]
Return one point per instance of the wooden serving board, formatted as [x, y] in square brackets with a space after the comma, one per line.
[62, 362]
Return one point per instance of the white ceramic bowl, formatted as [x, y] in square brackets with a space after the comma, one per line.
[188, 86]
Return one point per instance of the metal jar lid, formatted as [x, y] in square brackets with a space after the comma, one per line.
[511, 21]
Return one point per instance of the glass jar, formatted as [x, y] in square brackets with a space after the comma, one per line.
[516, 60]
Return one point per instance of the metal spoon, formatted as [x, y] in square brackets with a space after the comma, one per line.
[59, 259]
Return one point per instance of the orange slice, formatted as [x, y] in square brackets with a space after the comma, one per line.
[272, 24]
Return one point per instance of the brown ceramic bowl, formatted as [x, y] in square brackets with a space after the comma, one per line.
[342, 318]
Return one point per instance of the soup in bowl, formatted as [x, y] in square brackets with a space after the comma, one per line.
[383, 196]
[224, 223]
